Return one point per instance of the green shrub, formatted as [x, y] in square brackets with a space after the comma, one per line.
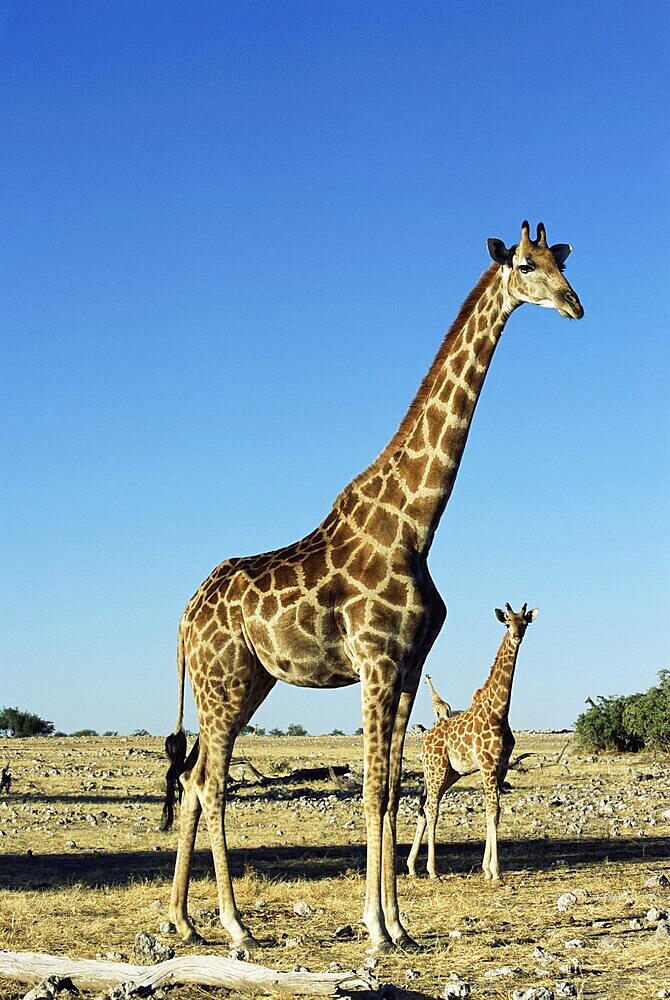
[629, 722]
[15, 722]
[295, 729]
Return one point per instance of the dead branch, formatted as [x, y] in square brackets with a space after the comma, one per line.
[330, 773]
[514, 763]
[204, 970]
[317, 773]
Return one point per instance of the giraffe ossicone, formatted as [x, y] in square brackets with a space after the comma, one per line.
[351, 602]
[480, 737]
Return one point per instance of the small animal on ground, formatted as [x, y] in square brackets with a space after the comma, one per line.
[480, 737]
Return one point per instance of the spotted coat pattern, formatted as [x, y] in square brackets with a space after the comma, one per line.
[352, 601]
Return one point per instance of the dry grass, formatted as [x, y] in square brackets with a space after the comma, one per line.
[594, 826]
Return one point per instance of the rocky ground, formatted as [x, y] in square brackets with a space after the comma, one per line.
[582, 911]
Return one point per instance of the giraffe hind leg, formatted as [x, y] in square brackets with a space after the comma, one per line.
[418, 837]
[188, 827]
[432, 810]
[218, 737]
[223, 710]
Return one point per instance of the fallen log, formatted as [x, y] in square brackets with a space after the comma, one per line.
[204, 970]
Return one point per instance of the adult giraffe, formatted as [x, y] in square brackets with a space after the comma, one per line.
[352, 601]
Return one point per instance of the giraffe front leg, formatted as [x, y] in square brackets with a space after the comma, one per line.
[398, 933]
[379, 698]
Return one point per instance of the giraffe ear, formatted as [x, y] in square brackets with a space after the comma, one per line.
[532, 615]
[499, 252]
[501, 616]
[561, 252]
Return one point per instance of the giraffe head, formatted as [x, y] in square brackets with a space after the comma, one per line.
[516, 621]
[536, 272]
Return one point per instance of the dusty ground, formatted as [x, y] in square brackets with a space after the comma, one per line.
[83, 866]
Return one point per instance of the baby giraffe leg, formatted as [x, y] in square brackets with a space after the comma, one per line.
[491, 796]
[432, 810]
[416, 845]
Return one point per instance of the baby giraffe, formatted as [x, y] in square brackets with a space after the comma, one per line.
[479, 737]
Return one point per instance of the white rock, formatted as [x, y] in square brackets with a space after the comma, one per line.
[663, 931]
[571, 968]
[574, 943]
[565, 901]
[456, 988]
[504, 970]
[239, 954]
[302, 909]
[533, 993]
[565, 989]
[657, 880]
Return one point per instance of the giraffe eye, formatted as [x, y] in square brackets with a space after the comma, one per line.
[526, 268]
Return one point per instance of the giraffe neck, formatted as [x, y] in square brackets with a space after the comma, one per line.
[497, 689]
[400, 498]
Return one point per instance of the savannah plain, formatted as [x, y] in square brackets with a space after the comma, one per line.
[84, 866]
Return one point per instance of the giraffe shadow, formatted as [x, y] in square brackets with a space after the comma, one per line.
[113, 797]
[96, 869]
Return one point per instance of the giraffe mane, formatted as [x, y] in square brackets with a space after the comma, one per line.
[427, 385]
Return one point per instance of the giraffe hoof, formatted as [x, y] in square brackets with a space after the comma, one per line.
[248, 942]
[406, 943]
[192, 937]
[384, 947]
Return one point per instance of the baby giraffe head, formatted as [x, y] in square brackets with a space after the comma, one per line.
[516, 621]
[535, 272]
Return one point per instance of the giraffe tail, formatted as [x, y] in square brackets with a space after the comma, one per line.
[175, 744]
[175, 748]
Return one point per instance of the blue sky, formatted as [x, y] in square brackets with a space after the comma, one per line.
[234, 234]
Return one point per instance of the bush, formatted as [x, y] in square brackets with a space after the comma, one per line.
[14, 722]
[295, 729]
[629, 722]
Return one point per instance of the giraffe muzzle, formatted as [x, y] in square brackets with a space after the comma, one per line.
[570, 306]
